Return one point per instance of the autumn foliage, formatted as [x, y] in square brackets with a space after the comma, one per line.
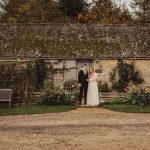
[105, 13]
[62, 11]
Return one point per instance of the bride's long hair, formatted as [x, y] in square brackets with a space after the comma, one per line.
[91, 72]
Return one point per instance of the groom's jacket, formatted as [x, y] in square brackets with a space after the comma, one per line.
[82, 77]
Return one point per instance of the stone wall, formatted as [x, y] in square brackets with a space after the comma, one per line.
[105, 65]
[74, 40]
[144, 67]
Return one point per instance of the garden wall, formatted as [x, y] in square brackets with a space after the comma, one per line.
[104, 67]
[74, 40]
[142, 65]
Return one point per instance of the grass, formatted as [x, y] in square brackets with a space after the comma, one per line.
[34, 109]
[128, 108]
[122, 105]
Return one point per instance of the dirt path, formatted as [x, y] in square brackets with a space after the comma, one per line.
[80, 129]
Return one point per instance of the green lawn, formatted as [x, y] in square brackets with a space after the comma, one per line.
[123, 105]
[126, 107]
[34, 109]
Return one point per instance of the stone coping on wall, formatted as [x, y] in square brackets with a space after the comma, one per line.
[81, 58]
[76, 24]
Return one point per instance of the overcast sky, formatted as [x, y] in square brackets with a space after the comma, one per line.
[126, 2]
[121, 2]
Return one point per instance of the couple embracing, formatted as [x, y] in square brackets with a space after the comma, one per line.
[88, 86]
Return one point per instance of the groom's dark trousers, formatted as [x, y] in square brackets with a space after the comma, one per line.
[82, 79]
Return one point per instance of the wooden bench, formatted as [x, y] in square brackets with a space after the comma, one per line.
[6, 96]
[112, 95]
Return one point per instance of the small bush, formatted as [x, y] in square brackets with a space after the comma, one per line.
[104, 87]
[140, 98]
[56, 97]
[139, 95]
[71, 85]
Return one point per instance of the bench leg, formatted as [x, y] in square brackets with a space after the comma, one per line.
[9, 104]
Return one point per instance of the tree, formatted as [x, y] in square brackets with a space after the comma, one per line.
[9, 9]
[72, 7]
[142, 10]
[31, 11]
[105, 11]
[125, 15]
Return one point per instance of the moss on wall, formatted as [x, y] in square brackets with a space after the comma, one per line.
[74, 40]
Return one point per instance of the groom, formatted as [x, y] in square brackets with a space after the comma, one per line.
[83, 83]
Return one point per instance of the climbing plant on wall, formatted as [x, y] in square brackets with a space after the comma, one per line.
[40, 71]
[23, 77]
[123, 74]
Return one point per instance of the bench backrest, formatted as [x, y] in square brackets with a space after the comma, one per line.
[6, 93]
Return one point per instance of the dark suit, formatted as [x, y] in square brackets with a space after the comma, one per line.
[82, 79]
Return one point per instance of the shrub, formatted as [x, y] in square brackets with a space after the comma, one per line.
[71, 85]
[140, 98]
[103, 86]
[74, 95]
[23, 78]
[56, 97]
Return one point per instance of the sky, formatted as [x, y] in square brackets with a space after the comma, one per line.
[126, 2]
[122, 2]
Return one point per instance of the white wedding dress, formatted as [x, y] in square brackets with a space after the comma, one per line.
[92, 94]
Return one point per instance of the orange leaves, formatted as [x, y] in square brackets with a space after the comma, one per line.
[102, 15]
[104, 12]
[12, 20]
[24, 8]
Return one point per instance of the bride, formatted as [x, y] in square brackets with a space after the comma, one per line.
[92, 94]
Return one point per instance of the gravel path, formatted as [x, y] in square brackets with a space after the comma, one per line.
[80, 129]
